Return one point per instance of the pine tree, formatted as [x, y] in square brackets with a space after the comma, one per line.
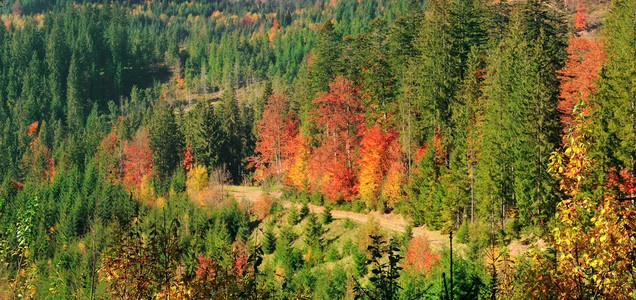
[325, 59]
[75, 95]
[204, 134]
[165, 140]
[615, 103]
[230, 117]
[304, 210]
[468, 115]
[57, 56]
[269, 241]
[313, 232]
[326, 215]
[521, 124]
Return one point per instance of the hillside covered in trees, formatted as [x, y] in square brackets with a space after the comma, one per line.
[127, 128]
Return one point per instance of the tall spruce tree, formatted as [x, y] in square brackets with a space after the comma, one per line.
[203, 133]
[230, 116]
[615, 102]
[326, 57]
[165, 140]
[521, 124]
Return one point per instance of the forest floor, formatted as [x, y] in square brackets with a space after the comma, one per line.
[391, 222]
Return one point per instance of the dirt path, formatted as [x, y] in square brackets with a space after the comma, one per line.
[392, 222]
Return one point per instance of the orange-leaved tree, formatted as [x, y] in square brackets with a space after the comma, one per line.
[275, 131]
[338, 115]
[138, 159]
[379, 157]
[419, 256]
[578, 75]
[296, 175]
[372, 158]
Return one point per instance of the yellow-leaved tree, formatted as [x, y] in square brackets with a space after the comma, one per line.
[591, 252]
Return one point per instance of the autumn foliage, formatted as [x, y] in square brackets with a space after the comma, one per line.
[338, 156]
[276, 134]
[593, 238]
[338, 115]
[578, 75]
[262, 206]
[38, 160]
[138, 159]
[419, 256]
[379, 159]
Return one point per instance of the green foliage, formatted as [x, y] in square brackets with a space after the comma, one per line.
[332, 254]
[165, 140]
[233, 148]
[304, 211]
[269, 241]
[407, 236]
[467, 278]
[360, 262]
[329, 283]
[313, 232]
[472, 87]
[316, 199]
[384, 274]
[326, 216]
[286, 255]
[349, 224]
[203, 133]
[292, 216]
[614, 128]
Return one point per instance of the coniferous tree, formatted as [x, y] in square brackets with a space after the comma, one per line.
[203, 133]
[468, 114]
[75, 95]
[522, 78]
[165, 140]
[615, 102]
[230, 117]
[57, 53]
[269, 241]
[325, 57]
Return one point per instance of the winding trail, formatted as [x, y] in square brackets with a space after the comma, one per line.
[392, 222]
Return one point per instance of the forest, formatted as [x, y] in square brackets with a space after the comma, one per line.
[311, 149]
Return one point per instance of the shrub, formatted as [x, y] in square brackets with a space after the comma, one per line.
[365, 234]
[467, 283]
[358, 206]
[419, 256]
[262, 207]
[197, 178]
[197, 183]
[462, 233]
[407, 236]
[331, 284]
[349, 224]
[347, 247]
[317, 199]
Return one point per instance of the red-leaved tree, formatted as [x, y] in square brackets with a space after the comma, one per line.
[577, 77]
[338, 115]
[138, 159]
[419, 256]
[275, 131]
